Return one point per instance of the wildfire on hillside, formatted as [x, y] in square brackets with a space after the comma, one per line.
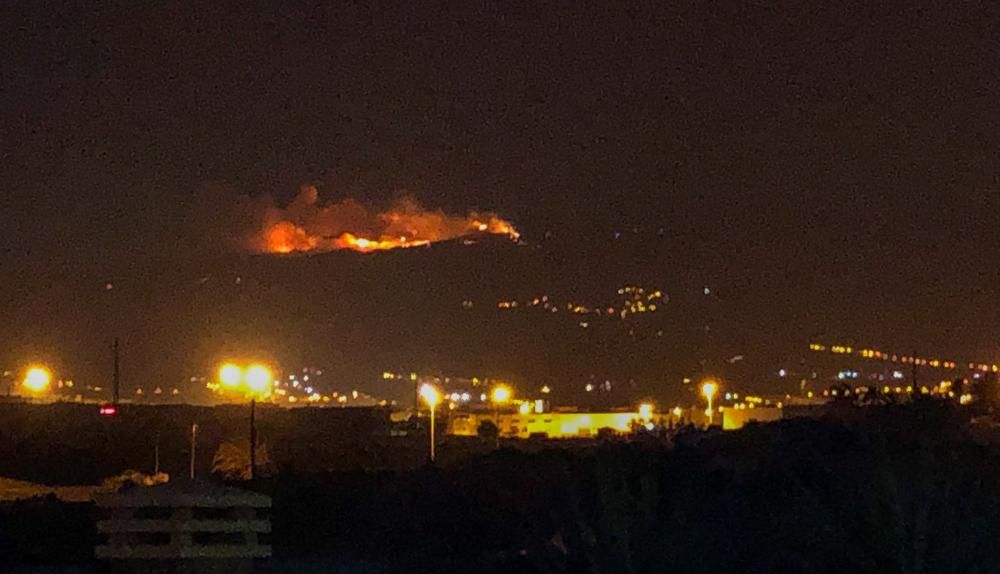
[309, 225]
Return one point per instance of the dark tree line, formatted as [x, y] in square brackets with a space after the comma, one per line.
[900, 488]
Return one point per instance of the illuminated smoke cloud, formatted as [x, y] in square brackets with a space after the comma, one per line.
[310, 225]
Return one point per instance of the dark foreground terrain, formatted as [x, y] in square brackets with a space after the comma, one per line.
[893, 489]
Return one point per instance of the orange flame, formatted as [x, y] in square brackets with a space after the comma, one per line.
[307, 225]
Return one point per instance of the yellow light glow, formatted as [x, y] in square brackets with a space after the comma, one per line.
[37, 379]
[524, 408]
[645, 411]
[230, 375]
[709, 389]
[430, 395]
[500, 394]
[259, 378]
[678, 411]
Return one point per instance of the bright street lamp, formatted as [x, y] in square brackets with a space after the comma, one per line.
[258, 379]
[646, 411]
[230, 375]
[500, 395]
[432, 397]
[709, 389]
[37, 380]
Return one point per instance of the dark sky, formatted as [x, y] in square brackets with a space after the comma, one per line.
[834, 168]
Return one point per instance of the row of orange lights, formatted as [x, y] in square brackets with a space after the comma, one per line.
[918, 361]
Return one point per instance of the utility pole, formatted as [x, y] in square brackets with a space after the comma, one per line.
[253, 437]
[432, 432]
[496, 422]
[194, 444]
[116, 380]
[416, 399]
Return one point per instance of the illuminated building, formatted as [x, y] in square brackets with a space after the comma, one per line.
[530, 423]
[736, 418]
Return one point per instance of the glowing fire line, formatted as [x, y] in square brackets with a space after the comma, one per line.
[306, 225]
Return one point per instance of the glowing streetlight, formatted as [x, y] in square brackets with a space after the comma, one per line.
[709, 389]
[432, 397]
[37, 380]
[645, 411]
[258, 379]
[230, 375]
[500, 395]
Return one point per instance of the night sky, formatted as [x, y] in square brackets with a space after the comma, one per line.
[831, 173]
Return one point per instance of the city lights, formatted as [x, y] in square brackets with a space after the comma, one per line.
[633, 301]
[900, 358]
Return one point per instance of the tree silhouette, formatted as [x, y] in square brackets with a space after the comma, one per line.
[487, 430]
[232, 461]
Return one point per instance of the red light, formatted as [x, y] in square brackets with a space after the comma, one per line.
[108, 410]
